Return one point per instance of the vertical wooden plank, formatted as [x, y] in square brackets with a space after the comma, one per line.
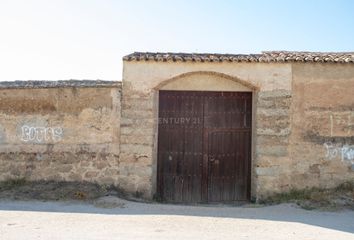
[205, 151]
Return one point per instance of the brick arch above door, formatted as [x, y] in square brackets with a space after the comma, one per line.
[206, 81]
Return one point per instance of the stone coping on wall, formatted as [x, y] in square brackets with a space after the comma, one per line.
[59, 84]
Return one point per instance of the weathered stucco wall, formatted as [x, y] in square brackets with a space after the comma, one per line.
[302, 134]
[271, 86]
[58, 131]
[322, 139]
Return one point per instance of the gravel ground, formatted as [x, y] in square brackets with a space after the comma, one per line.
[114, 218]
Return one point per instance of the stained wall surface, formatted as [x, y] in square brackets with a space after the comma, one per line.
[322, 139]
[66, 133]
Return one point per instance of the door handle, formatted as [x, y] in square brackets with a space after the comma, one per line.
[213, 160]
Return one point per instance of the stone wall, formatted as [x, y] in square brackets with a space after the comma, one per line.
[272, 163]
[66, 130]
[322, 139]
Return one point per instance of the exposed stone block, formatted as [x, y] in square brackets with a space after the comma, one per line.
[268, 112]
[267, 171]
[274, 94]
[277, 151]
[272, 132]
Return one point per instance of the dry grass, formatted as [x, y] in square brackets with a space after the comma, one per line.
[21, 189]
[12, 183]
[316, 198]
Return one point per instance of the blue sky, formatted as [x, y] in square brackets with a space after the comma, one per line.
[86, 39]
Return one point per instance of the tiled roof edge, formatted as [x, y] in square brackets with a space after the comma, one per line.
[266, 57]
[58, 84]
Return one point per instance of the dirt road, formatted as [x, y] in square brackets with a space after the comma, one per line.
[130, 220]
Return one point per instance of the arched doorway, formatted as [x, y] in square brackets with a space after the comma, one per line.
[204, 139]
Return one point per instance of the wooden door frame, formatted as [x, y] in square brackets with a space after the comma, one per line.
[250, 162]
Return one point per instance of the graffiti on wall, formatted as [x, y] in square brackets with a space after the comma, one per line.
[345, 152]
[340, 124]
[41, 134]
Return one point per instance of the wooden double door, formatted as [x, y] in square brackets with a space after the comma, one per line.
[204, 146]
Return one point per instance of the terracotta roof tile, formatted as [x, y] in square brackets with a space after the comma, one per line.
[272, 56]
